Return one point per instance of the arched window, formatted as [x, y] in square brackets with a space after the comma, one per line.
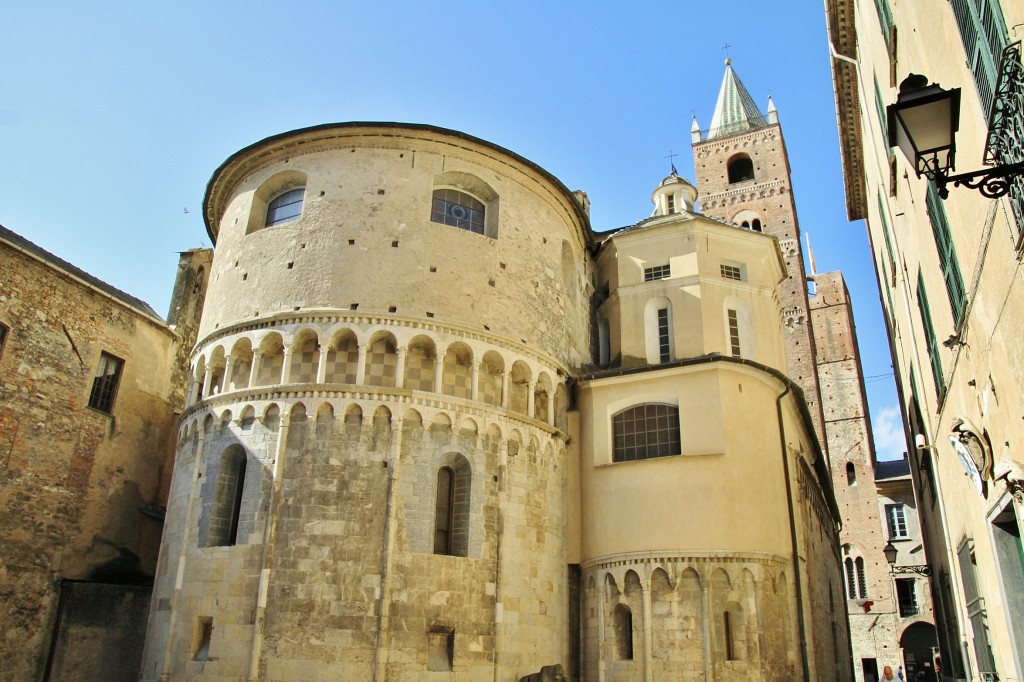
[851, 474]
[755, 225]
[623, 624]
[3, 336]
[227, 500]
[458, 209]
[451, 508]
[645, 431]
[285, 207]
[856, 583]
[740, 168]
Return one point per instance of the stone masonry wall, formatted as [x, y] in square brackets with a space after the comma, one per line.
[72, 479]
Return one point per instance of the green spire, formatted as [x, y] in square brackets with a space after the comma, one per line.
[735, 110]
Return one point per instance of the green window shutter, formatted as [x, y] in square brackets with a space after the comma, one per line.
[983, 33]
[883, 119]
[929, 335]
[976, 611]
[884, 18]
[947, 254]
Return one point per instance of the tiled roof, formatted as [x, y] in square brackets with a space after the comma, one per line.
[892, 468]
[735, 110]
[19, 242]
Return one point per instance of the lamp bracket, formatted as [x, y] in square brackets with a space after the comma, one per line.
[920, 570]
[991, 182]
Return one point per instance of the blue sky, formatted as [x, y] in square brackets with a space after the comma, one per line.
[114, 115]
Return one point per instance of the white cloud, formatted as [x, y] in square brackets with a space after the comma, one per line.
[887, 427]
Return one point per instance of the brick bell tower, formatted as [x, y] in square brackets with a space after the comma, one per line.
[743, 175]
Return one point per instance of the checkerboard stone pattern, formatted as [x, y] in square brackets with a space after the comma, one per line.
[343, 362]
[381, 361]
[305, 361]
[490, 385]
[457, 377]
[240, 372]
[270, 369]
[419, 369]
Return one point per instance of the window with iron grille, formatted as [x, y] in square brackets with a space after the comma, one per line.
[458, 209]
[947, 253]
[983, 34]
[731, 272]
[906, 596]
[929, 336]
[645, 431]
[657, 272]
[104, 384]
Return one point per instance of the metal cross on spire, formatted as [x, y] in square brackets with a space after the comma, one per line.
[726, 48]
[671, 160]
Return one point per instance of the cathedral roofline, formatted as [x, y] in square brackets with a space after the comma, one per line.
[212, 199]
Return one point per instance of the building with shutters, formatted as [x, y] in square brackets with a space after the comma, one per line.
[949, 276]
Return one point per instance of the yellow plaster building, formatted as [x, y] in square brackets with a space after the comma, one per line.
[949, 274]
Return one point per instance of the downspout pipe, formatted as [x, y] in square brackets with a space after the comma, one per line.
[797, 579]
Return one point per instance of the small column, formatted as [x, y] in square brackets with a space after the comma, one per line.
[551, 405]
[254, 371]
[530, 399]
[504, 389]
[648, 633]
[438, 373]
[207, 381]
[474, 388]
[286, 366]
[361, 369]
[229, 369]
[400, 368]
[321, 366]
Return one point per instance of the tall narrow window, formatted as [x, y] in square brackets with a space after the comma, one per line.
[906, 597]
[671, 203]
[444, 510]
[104, 384]
[851, 579]
[285, 207]
[226, 511]
[451, 507]
[458, 209]
[734, 333]
[664, 349]
[851, 474]
[623, 633]
[947, 254]
[645, 431]
[730, 649]
[929, 335]
[862, 584]
[896, 517]
[3, 336]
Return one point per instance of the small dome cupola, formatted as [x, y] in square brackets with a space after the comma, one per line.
[673, 195]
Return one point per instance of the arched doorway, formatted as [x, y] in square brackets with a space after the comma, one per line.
[917, 642]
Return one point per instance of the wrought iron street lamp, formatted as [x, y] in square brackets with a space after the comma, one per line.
[890, 553]
[923, 123]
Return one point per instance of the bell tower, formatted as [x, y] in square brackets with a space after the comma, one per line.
[743, 175]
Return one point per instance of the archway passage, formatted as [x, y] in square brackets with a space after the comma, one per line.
[918, 641]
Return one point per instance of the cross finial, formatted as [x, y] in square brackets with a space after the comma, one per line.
[726, 48]
[671, 160]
